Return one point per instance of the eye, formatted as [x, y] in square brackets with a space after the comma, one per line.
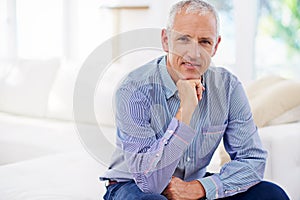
[183, 39]
[205, 42]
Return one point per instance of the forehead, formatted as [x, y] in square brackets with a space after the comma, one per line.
[195, 23]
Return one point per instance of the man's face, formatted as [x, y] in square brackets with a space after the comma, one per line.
[190, 45]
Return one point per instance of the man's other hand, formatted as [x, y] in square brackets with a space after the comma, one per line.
[181, 190]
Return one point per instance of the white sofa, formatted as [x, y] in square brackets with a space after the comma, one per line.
[42, 156]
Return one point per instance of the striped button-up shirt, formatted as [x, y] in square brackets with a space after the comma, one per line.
[153, 146]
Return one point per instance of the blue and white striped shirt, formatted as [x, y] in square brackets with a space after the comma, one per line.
[153, 146]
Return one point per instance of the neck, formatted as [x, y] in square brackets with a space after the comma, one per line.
[171, 71]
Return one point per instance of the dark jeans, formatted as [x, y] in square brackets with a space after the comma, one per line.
[129, 191]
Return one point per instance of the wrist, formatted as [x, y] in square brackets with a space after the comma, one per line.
[197, 189]
[183, 115]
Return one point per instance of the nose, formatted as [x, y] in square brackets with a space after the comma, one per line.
[194, 52]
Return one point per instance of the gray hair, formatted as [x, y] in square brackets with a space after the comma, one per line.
[192, 6]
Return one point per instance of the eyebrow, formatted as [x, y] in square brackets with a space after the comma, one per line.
[183, 35]
[187, 35]
[206, 38]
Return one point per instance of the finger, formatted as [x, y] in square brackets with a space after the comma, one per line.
[166, 195]
[199, 91]
[199, 97]
[197, 82]
[165, 192]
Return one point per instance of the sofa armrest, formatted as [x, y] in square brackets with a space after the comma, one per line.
[283, 164]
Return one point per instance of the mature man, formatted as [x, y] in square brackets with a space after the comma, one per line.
[173, 112]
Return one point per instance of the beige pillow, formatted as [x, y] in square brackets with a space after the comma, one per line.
[258, 87]
[273, 100]
[290, 116]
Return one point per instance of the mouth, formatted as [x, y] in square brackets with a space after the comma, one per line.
[189, 65]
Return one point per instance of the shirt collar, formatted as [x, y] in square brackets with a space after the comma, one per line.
[169, 85]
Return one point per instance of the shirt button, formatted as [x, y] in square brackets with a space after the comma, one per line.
[157, 155]
[188, 159]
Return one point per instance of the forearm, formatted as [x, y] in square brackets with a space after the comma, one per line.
[153, 169]
[238, 175]
[234, 178]
[184, 115]
[245, 170]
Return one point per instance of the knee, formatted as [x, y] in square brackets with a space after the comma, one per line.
[153, 197]
[272, 191]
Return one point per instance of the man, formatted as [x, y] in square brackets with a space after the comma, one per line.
[173, 112]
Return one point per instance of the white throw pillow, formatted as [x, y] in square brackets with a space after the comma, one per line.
[26, 85]
[60, 104]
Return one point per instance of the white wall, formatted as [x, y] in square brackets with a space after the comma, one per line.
[245, 16]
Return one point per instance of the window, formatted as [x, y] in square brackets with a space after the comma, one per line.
[30, 29]
[259, 37]
[226, 51]
[7, 30]
[39, 28]
[278, 39]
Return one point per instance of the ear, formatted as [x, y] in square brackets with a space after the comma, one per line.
[216, 46]
[164, 40]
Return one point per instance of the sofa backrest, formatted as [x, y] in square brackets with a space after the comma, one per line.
[25, 86]
[60, 104]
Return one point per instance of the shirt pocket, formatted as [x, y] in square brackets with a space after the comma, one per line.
[211, 137]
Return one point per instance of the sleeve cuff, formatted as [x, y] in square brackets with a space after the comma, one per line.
[183, 135]
[213, 187]
[171, 128]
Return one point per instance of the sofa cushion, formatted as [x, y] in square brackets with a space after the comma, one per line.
[62, 176]
[26, 85]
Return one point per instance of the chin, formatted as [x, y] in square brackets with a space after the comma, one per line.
[189, 77]
[191, 74]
